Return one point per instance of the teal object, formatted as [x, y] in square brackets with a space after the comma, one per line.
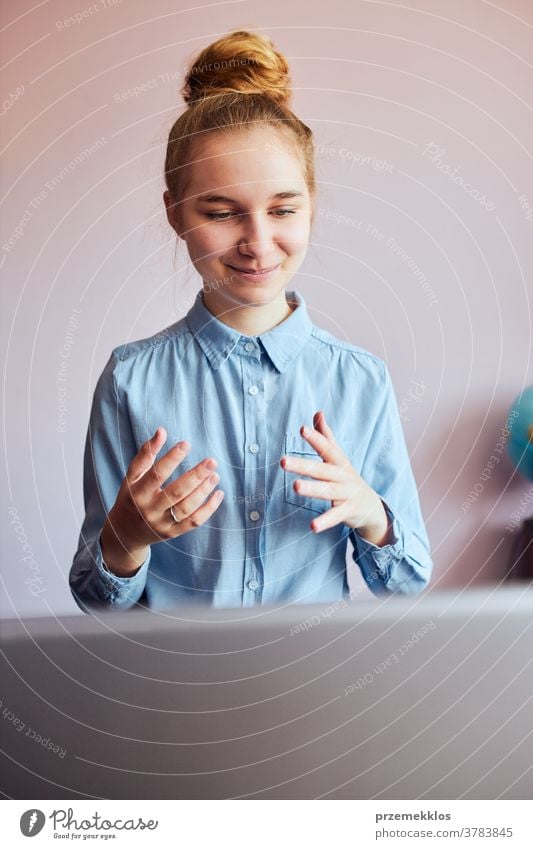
[520, 425]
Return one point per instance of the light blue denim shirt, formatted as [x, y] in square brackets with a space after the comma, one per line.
[243, 400]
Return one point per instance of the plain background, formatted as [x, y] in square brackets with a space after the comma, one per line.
[420, 253]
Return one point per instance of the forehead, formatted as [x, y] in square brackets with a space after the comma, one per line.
[249, 165]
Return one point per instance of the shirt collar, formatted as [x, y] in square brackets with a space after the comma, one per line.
[282, 343]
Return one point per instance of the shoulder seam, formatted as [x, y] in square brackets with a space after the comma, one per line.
[344, 346]
[151, 342]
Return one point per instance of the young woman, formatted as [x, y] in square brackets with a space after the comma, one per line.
[229, 457]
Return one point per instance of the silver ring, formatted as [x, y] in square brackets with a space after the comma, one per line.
[171, 509]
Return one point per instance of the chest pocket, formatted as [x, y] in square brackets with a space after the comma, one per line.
[296, 445]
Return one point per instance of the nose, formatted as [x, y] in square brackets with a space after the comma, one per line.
[256, 237]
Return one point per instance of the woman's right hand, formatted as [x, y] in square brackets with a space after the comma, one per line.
[141, 516]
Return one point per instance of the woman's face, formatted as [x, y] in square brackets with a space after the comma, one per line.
[233, 216]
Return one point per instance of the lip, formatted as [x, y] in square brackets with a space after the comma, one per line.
[264, 274]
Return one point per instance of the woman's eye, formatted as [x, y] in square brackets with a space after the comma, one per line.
[224, 216]
[218, 216]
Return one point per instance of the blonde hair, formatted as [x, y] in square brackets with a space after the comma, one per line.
[236, 81]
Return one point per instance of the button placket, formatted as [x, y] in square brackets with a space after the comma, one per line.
[254, 470]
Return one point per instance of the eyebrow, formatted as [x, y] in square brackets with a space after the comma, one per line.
[212, 198]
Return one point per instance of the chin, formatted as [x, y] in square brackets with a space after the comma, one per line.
[252, 294]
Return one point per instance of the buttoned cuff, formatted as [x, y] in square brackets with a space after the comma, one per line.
[114, 583]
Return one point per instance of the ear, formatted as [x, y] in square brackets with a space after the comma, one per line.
[173, 215]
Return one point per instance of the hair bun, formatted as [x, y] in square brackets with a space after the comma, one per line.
[239, 63]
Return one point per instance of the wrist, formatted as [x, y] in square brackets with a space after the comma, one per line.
[120, 559]
[378, 530]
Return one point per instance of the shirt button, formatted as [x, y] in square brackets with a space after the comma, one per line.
[254, 515]
[253, 390]
[254, 447]
[249, 346]
[252, 585]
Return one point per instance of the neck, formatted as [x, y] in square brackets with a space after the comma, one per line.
[249, 320]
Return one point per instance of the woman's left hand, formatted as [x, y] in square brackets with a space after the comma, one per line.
[355, 503]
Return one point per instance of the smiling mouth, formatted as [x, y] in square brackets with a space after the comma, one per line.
[256, 271]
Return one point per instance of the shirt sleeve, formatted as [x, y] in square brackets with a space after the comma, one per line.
[109, 448]
[404, 565]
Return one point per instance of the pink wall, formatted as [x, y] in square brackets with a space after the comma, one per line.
[406, 260]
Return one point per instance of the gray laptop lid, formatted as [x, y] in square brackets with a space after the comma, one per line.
[414, 697]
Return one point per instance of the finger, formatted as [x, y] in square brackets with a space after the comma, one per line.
[313, 468]
[325, 490]
[329, 519]
[144, 458]
[165, 466]
[320, 423]
[200, 514]
[186, 484]
[185, 507]
[323, 445]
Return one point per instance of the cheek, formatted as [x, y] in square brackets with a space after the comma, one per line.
[295, 236]
[207, 243]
